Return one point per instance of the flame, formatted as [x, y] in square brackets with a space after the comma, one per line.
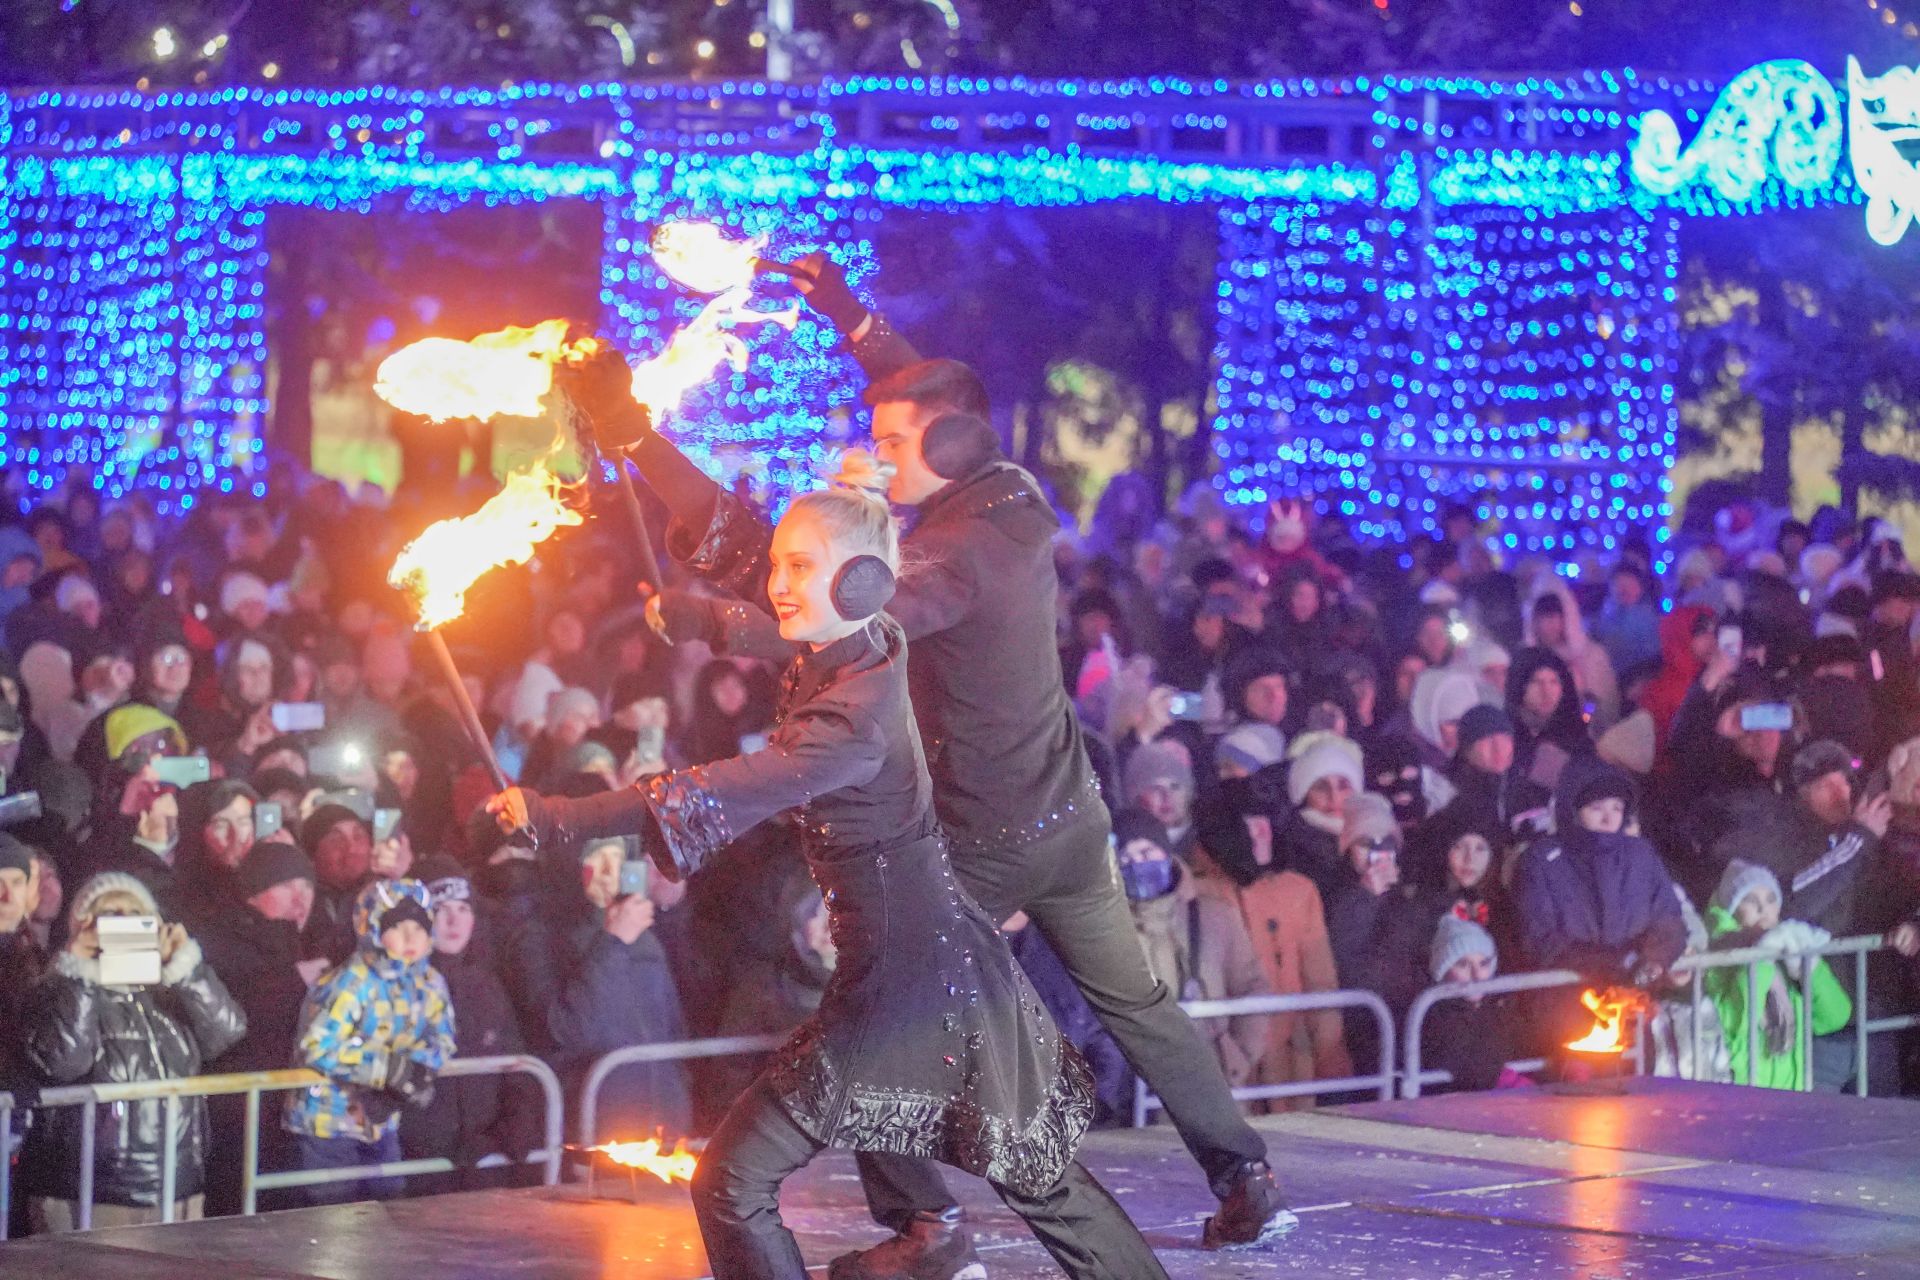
[675, 1166]
[698, 348]
[507, 372]
[1609, 1010]
[697, 256]
[449, 556]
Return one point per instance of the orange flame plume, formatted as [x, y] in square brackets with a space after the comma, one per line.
[699, 347]
[449, 556]
[674, 1166]
[697, 256]
[507, 372]
[1610, 1010]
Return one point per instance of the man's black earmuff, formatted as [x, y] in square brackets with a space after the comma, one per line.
[862, 587]
[956, 445]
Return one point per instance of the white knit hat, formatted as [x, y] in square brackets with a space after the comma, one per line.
[103, 884]
[240, 588]
[1740, 879]
[1454, 941]
[1334, 757]
[1251, 746]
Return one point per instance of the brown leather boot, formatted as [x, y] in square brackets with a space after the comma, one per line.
[1252, 1212]
[933, 1246]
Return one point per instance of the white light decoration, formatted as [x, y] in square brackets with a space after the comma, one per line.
[1882, 114]
[1778, 120]
[164, 44]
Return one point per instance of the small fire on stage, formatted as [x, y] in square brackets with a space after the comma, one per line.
[1610, 1009]
[649, 1156]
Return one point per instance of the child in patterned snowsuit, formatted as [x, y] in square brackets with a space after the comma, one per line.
[379, 1028]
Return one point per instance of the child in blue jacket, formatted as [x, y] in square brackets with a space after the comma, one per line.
[379, 1028]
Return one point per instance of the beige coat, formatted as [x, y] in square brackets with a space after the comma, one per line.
[1222, 967]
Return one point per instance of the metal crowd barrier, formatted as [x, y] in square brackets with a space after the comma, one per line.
[1145, 1101]
[88, 1097]
[672, 1051]
[1414, 1077]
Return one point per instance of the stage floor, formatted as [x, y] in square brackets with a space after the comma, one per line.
[1636, 1178]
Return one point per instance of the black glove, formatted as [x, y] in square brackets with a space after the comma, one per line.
[601, 388]
[410, 1081]
[378, 1106]
[826, 291]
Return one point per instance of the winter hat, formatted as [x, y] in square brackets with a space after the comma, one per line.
[323, 820]
[1818, 564]
[445, 878]
[1164, 761]
[269, 863]
[1740, 879]
[1330, 757]
[1137, 824]
[15, 856]
[1603, 784]
[1834, 647]
[240, 589]
[1251, 746]
[266, 782]
[1441, 694]
[127, 724]
[1369, 817]
[1483, 721]
[99, 887]
[1454, 941]
[1248, 665]
[1818, 759]
[589, 756]
[386, 903]
[572, 701]
[73, 589]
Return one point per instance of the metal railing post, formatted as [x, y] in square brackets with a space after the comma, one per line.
[89, 1114]
[250, 1156]
[1860, 1024]
[169, 1154]
[1753, 1022]
[6, 1162]
[673, 1051]
[1697, 988]
[1139, 1103]
[1803, 1021]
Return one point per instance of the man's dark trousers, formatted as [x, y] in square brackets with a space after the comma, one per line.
[1067, 883]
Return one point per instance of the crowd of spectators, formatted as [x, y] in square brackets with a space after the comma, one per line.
[1330, 766]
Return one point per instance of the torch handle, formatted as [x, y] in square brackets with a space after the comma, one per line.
[468, 716]
[649, 562]
[775, 267]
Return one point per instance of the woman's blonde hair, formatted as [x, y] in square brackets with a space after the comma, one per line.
[853, 509]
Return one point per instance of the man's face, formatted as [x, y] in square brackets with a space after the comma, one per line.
[1266, 699]
[1627, 590]
[566, 634]
[1830, 797]
[344, 855]
[169, 670]
[1550, 629]
[1759, 909]
[898, 428]
[228, 834]
[17, 895]
[600, 873]
[452, 926]
[1169, 800]
[1406, 675]
[290, 900]
[399, 768]
[1492, 754]
[251, 613]
[1433, 639]
[253, 679]
[340, 680]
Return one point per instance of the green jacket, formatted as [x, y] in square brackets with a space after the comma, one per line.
[1832, 1009]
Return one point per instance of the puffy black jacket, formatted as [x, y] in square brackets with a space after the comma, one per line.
[79, 1032]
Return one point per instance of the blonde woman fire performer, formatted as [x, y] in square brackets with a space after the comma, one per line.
[928, 1041]
[1011, 779]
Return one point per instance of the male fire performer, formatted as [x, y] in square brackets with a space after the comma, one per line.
[1012, 783]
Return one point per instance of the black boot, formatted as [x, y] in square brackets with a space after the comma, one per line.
[933, 1246]
[1252, 1213]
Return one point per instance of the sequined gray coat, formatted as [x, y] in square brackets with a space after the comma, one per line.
[928, 1041]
